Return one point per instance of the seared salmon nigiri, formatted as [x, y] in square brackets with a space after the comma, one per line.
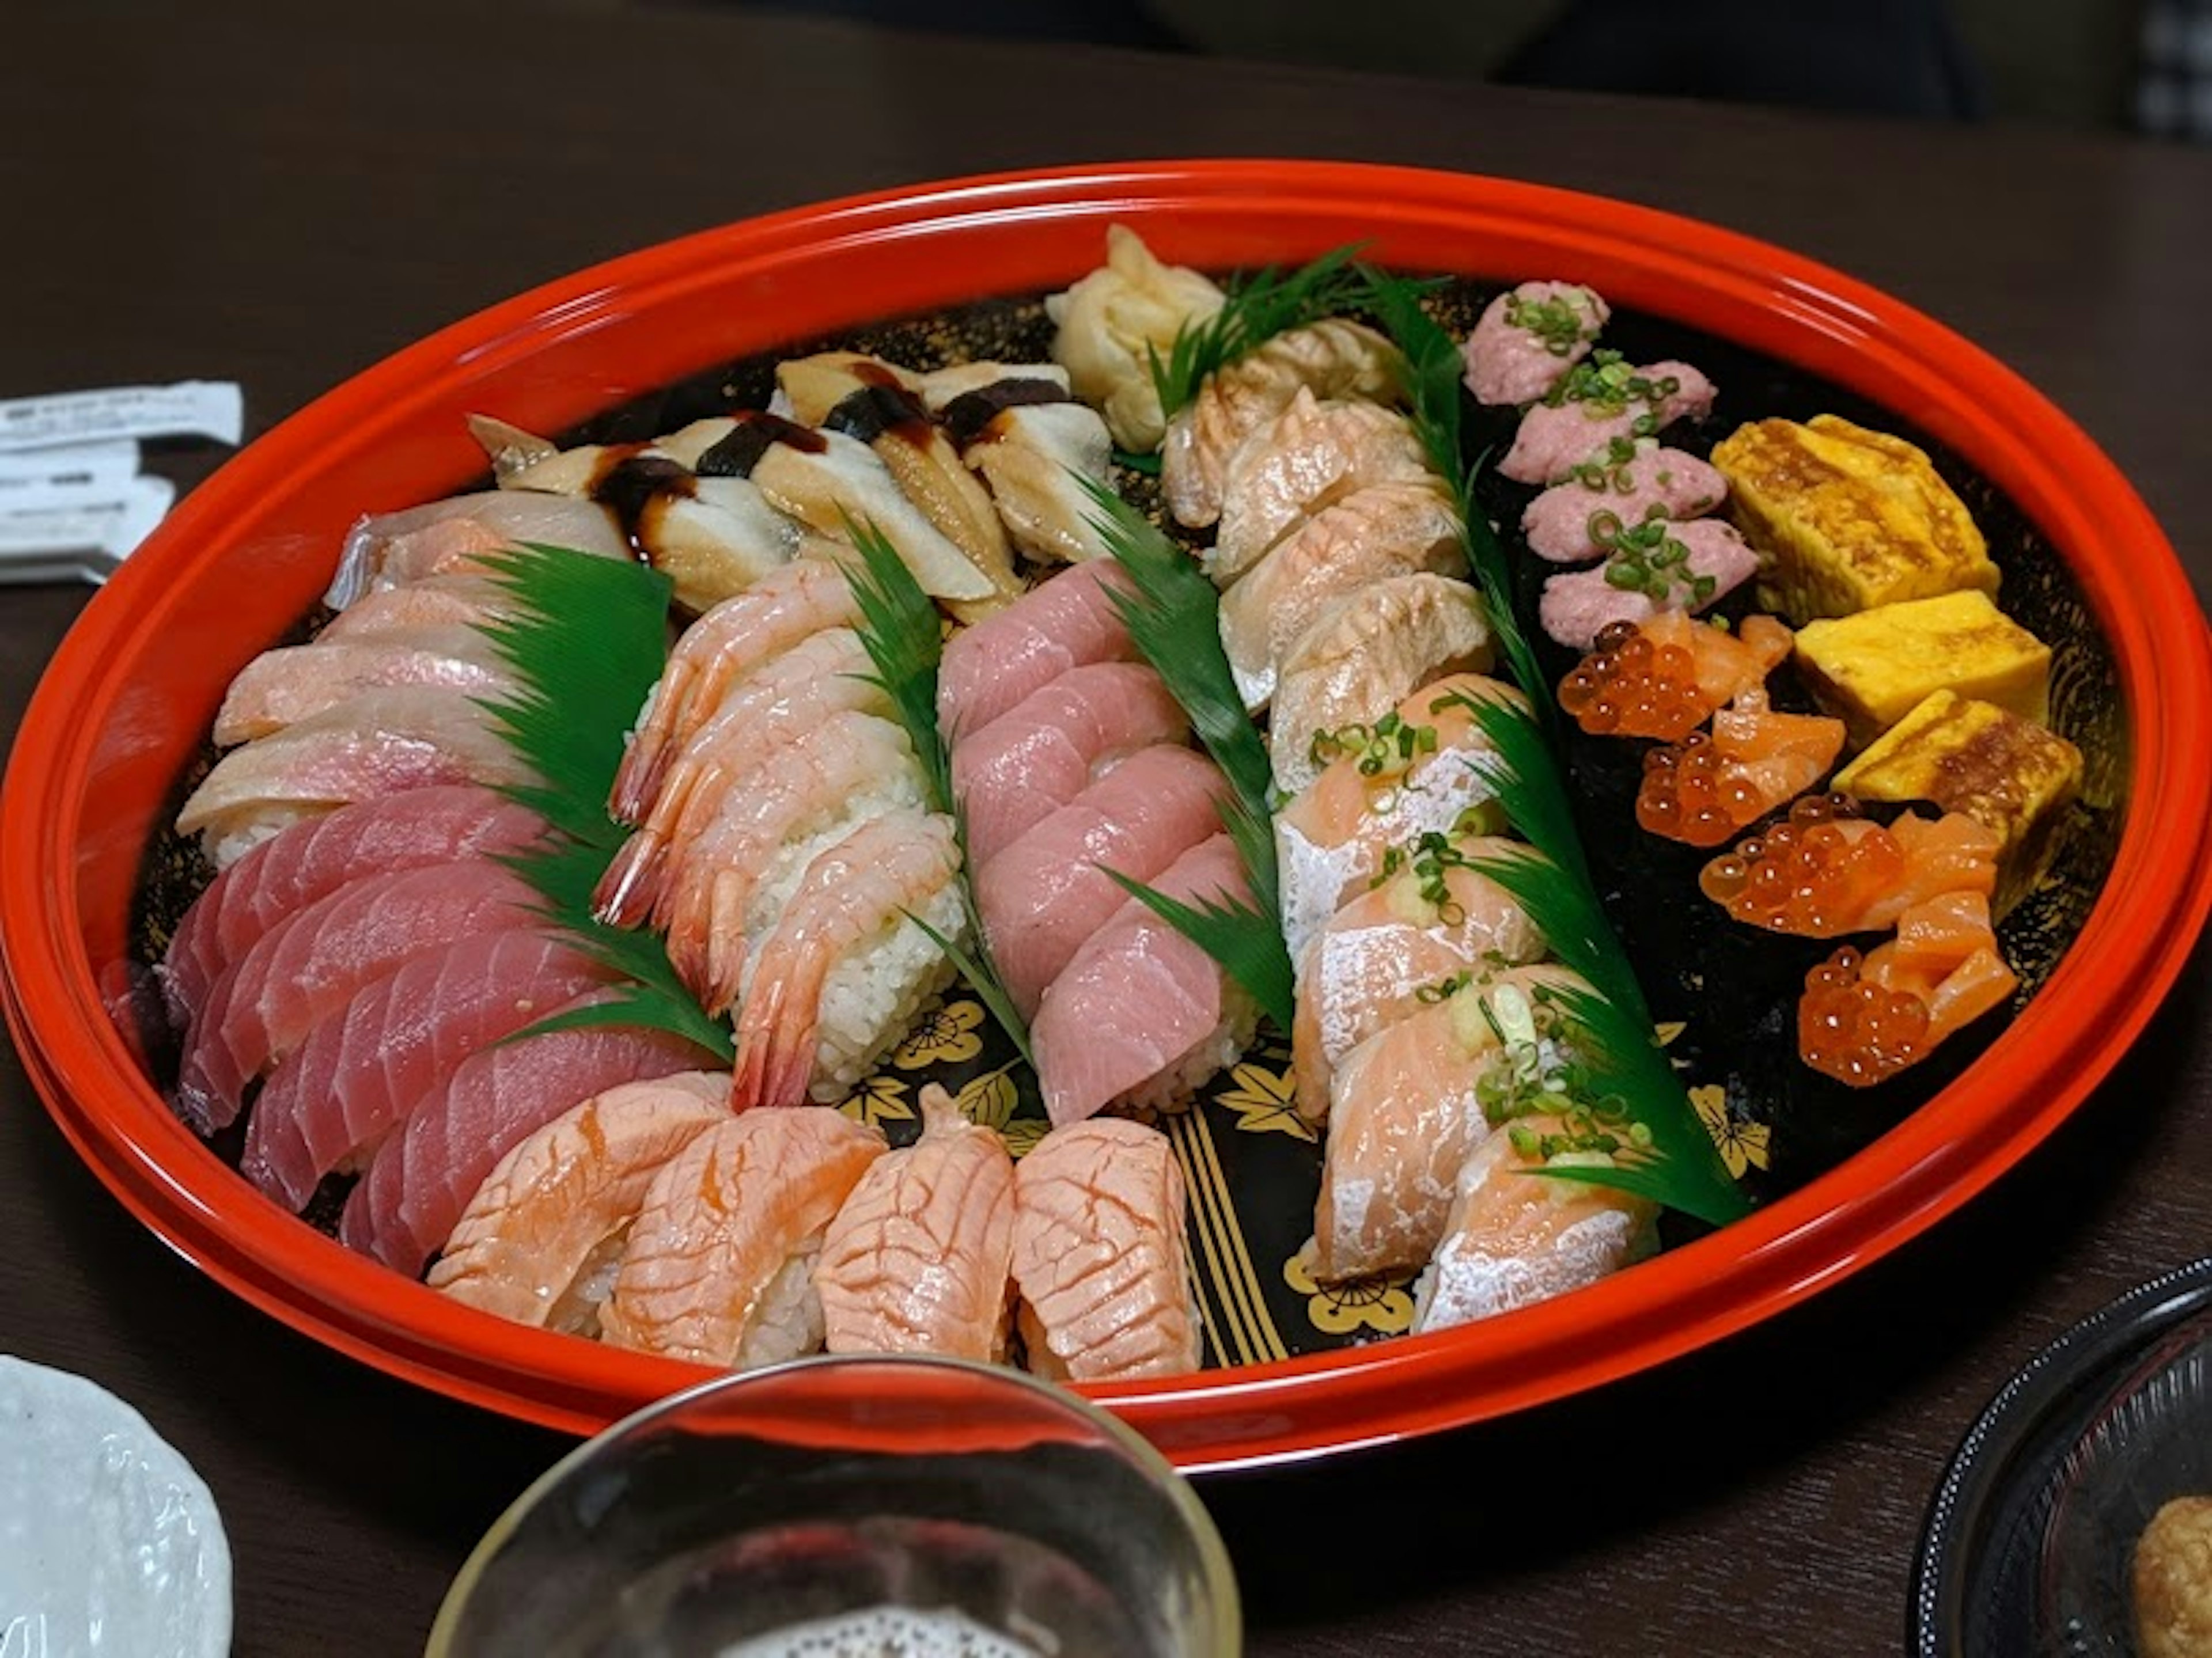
[1098, 1254]
[920, 1260]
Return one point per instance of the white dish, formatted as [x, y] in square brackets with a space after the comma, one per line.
[110, 1545]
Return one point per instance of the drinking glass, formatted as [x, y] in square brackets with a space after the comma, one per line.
[886, 1506]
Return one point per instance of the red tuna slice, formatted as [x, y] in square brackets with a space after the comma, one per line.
[314, 859]
[361, 1073]
[423, 1178]
[1044, 894]
[1037, 756]
[311, 964]
[1059, 624]
[1138, 998]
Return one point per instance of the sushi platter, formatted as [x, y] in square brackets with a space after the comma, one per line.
[1461, 788]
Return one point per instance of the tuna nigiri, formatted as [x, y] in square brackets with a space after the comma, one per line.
[423, 1177]
[1140, 1014]
[920, 1258]
[1048, 891]
[314, 859]
[310, 965]
[362, 1070]
[1564, 523]
[540, 1240]
[1098, 1254]
[1692, 567]
[719, 1268]
[1040, 754]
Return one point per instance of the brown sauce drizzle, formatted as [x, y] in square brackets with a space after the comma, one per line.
[736, 455]
[882, 404]
[967, 417]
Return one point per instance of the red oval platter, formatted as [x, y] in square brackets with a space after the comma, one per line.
[134, 685]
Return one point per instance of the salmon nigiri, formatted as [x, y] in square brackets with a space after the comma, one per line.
[719, 1268]
[1420, 770]
[920, 1258]
[1403, 1118]
[1098, 1254]
[539, 1241]
[1515, 1236]
[1384, 954]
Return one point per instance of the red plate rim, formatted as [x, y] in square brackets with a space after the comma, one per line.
[2133, 946]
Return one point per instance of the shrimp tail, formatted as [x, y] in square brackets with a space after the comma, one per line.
[645, 759]
[776, 1035]
[629, 888]
[722, 959]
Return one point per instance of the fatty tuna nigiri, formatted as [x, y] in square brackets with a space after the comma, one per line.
[1140, 1013]
[1048, 892]
[920, 1259]
[1098, 1254]
[1554, 439]
[1059, 625]
[1528, 338]
[539, 1240]
[1040, 754]
[719, 1268]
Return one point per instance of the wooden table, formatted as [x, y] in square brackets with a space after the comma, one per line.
[281, 195]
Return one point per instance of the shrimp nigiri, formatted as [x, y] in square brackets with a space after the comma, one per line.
[920, 1258]
[801, 597]
[1098, 1254]
[719, 1267]
[848, 963]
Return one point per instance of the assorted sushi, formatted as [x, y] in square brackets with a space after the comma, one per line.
[429, 1020]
